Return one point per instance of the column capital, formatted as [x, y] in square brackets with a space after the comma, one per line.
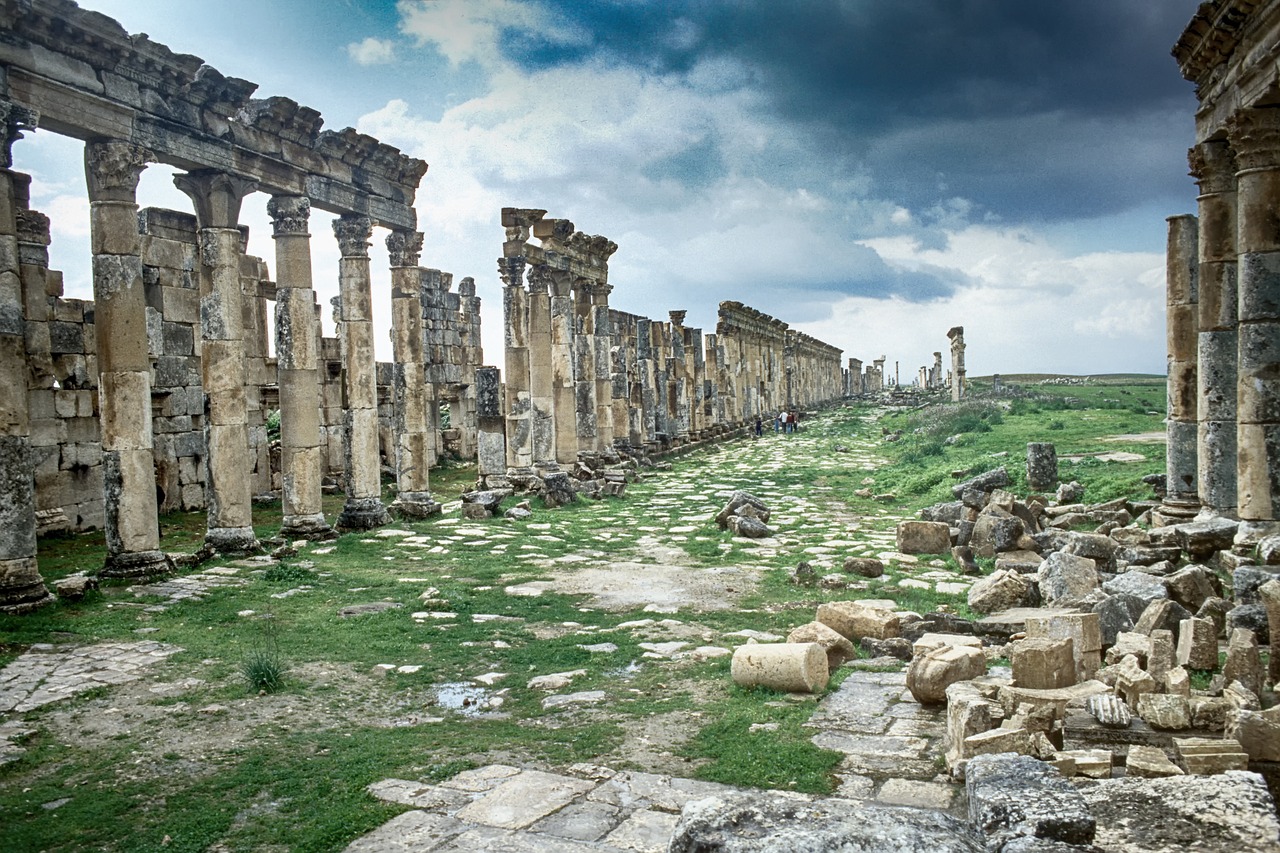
[216, 196]
[1213, 165]
[539, 276]
[1255, 136]
[15, 119]
[677, 317]
[353, 231]
[113, 168]
[289, 215]
[33, 227]
[405, 248]
[512, 271]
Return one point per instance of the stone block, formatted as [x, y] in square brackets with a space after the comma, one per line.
[837, 647]
[1243, 663]
[998, 591]
[1210, 756]
[1164, 711]
[1191, 586]
[1150, 762]
[930, 674]
[1066, 578]
[1015, 797]
[855, 620]
[1090, 763]
[1198, 644]
[1258, 732]
[923, 537]
[1042, 664]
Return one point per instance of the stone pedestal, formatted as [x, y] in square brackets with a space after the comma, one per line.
[1255, 135]
[412, 397]
[124, 386]
[363, 509]
[297, 359]
[228, 494]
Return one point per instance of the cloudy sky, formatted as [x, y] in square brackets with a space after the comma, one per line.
[871, 171]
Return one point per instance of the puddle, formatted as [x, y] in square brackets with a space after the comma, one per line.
[467, 699]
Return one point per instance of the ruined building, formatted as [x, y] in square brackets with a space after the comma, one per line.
[1224, 274]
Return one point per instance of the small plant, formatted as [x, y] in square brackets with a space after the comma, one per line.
[289, 573]
[273, 425]
[1056, 425]
[263, 668]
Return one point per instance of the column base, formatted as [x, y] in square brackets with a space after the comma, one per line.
[1175, 509]
[362, 514]
[414, 505]
[137, 565]
[233, 541]
[311, 527]
[527, 481]
[22, 590]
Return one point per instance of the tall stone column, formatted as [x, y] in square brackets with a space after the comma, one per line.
[541, 396]
[601, 341]
[1181, 312]
[216, 197]
[412, 399]
[1215, 292]
[519, 409]
[1255, 135]
[363, 509]
[563, 389]
[491, 441]
[586, 423]
[124, 365]
[956, 336]
[21, 587]
[298, 364]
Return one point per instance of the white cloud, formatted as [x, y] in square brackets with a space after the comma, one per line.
[372, 51]
[471, 30]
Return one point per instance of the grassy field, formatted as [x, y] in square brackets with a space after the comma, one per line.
[194, 757]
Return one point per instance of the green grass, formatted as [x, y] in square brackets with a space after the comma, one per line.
[287, 786]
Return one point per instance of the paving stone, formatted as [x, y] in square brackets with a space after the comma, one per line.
[523, 799]
[906, 792]
[644, 831]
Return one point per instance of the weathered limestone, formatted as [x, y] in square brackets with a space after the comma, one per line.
[789, 667]
[132, 531]
[932, 673]
[363, 509]
[956, 336]
[217, 197]
[1269, 593]
[21, 587]
[414, 439]
[1182, 269]
[1255, 136]
[1042, 466]
[297, 355]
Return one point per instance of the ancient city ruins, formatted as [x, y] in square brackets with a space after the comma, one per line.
[162, 393]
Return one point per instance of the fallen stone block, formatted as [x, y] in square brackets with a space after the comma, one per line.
[1042, 664]
[1164, 711]
[855, 620]
[1210, 756]
[923, 537]
[838, 648]
[930, 674]
[1150, 762]
[1012, 797]
[1258, 732]
[998, 591]
[1090, 763]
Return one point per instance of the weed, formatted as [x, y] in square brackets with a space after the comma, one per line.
[289, 573]
[263, 668]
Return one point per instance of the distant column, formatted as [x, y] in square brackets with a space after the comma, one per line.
[363, 509]
[601, 339]
[1181, 313]
[413, 447]
[515, 310]
[21, 587]
[541, 395]
[124, 388]
[1255, 135]
[1213, 166]
[956, 335]
[217, 197]
[298, 364]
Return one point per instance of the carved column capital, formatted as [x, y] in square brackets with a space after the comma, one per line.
[353, 232]
[216, 195]
[405, 247]
[511, 271]
[539, 276]
[677, 317]
[467, 287]
[113, 168]
[1213, 165]
[13, 120]
[289, 215]
[1255, 136]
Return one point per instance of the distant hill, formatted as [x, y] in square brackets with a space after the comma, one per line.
[1091, 378]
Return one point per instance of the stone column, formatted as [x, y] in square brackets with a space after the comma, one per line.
[216, 197]
[491, 450]
[412, 402]
[563, 389]
[363, 509]
[1214, 290]
[124, 365]
[298, 363]
[586, 422]
[1181, 313]
[21, 587]
[956, 335]
[601, 340]
[1255, 135]
[541, 393]
[515, 309]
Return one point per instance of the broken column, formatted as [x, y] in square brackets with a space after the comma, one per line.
[1214, 287]
[21, 587]
[1255, 135]
[491, 444]
[124, 389]
[297, 364]
[216, 197]
[1181, 306]
[1042, 466]
[413, 444]
[956, 335]
[363, 509]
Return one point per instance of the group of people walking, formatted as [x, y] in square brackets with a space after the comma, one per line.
[784, 421]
